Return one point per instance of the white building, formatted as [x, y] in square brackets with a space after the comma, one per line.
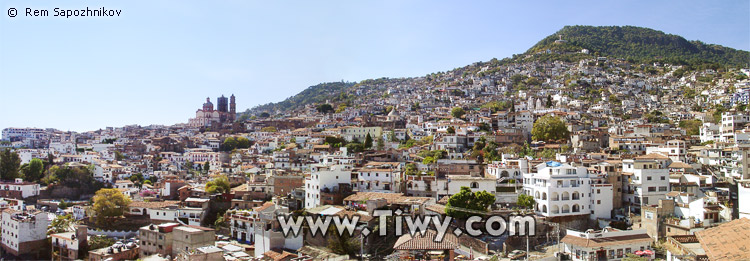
[377, 177]
[563, 190]
[648, 179]
[508, 168]
[360, 133]
[325, 177]
[676, 150]
[453, 183]
[23, 232]
[730, 123]
[18, 189]
[743, 191]
[607, 244]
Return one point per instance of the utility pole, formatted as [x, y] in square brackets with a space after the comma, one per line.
[361, 246]
[527, 246]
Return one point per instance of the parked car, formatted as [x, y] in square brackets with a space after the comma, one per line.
[516, 254]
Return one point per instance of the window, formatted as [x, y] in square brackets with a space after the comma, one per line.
[598, 202]
[663, 178]
[651, 189]
[663, 188]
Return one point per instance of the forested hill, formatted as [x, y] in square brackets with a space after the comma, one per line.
[312, 95]
[638, 44]
[634, 44]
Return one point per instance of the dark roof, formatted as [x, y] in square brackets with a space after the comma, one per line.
[606, 241]
[426, 241]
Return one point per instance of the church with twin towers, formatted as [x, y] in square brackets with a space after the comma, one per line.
[225, 112]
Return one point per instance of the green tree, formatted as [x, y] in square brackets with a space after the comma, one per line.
[342, 244]
[692, 127]
[60, 224]
[381, 143]
[634, 257]
[188, 165]
[242, 143]
[549, 128]
[229, 144]
[109, 203]
[355, 147]
[206, 167]
[525, 201]
[218, 185]
[458, 112]
[325, 108]
[119, 156]
[410, 169]
[9, 164]
[98, 242]
[33, 171]
[466, 200]
[269, 129]
[450, 130]
[368, 141]
[220, 221]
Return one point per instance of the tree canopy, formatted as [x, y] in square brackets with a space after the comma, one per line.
[33, 171]
[219, 184]
[232, 143]
[640, 45]
[9, 164]
[457, 112]
[109, 203]
[472, 201]
[325, 108]
[549, 128]
[525, 201]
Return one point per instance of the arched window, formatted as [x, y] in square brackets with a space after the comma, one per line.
[555, 196]
[474, 185]
[544, 208]
[576, 208]
[536, 195]
[555, 209]
[544, 196]
[504, 174]
[565, 196]
[576, 195]
[566, 208]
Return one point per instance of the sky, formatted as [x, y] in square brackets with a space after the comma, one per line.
[158, 61]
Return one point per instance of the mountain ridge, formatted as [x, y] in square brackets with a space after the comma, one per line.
[629, 43]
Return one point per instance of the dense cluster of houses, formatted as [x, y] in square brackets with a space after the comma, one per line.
[628, 176]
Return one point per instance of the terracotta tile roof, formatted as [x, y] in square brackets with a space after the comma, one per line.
[154, 204]
[265, 206]
[349, 214]
[680, 165]
[361, 196]
[652, 156]
[426, 241]
[730, 241]
[436, 208]
[606, 241]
